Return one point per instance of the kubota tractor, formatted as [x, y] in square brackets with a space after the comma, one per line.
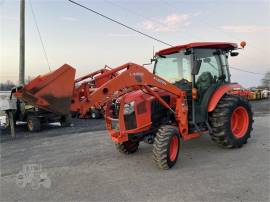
[187, 95]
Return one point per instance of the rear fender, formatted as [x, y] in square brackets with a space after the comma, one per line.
[219, 93]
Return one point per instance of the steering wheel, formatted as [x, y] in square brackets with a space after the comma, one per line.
[183, 81]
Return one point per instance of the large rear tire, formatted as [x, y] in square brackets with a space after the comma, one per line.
[231, 121]
[166, 147]
[127, 147]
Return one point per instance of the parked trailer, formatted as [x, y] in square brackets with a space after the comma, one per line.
[44, 99]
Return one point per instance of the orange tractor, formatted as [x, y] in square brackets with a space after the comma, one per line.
[242, 92]
[83, 86]
[187, 95]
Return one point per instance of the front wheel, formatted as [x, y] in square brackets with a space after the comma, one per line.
[166, 147]
[127, 147]
[95, 114]
[231, 121]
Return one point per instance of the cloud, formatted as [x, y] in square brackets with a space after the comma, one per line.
[195, 14]
[245, 28]
[168, 24]
[69, 19]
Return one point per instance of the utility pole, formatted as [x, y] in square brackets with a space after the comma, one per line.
[22, 43]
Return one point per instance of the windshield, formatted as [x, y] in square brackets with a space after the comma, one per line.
[173, 67]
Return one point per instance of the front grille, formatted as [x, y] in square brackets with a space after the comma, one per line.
[159, 111]
[130, 121]
[141, 108]
[115, 124]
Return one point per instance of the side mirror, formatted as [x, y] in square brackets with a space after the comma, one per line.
[233, 54]
[196, 67]
[151, 61]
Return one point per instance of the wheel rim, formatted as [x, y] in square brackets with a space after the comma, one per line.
[174, 144]
[239, 122]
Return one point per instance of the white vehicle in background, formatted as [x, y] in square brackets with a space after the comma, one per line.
[7, 105]
[265, 93]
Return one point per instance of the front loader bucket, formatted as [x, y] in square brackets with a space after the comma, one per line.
[51, 92]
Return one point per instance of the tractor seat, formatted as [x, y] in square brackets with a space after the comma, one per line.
[204, 81]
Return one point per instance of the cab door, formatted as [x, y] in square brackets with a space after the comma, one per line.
[212, 74]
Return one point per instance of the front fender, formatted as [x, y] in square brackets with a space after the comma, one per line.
[219, 93]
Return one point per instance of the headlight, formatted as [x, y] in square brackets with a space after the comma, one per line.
[129, 108]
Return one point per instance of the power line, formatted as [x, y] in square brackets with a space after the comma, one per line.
[245, 70]
[140, 15]
[219, 29]
[39, 34]
[135, 13]
[120, 23]
[151, 37]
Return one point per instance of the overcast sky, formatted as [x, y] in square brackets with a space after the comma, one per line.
[86, 41]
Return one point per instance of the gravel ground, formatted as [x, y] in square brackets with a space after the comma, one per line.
[84, 166]
[261, 107]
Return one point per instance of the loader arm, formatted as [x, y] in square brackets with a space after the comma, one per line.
[85, 84]
[130, 77]
[93, 74]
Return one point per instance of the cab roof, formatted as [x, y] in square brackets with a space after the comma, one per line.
[175, 49]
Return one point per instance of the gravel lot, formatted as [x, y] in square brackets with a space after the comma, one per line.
[81, 163]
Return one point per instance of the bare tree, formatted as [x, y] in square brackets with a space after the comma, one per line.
[6, 86]
[266, 80]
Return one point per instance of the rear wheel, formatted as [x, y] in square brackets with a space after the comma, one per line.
[33, 124]
[231, 121]
[166, 147]
[127, 147]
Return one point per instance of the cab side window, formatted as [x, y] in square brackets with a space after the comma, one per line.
[210, 69]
